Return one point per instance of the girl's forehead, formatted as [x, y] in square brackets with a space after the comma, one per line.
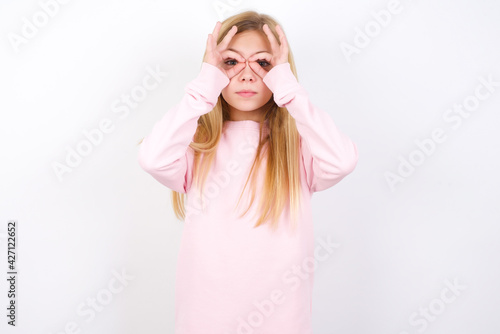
[249, 42]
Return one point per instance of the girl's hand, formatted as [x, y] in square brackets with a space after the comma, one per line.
[279, 52]
[217, 54]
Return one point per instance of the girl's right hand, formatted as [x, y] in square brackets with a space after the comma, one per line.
[217, 55]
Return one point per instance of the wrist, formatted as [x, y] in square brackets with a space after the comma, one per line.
[208, 84]
[213, 68]
[281, 79]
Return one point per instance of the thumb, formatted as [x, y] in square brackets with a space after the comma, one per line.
[257, 69]
[235, 70]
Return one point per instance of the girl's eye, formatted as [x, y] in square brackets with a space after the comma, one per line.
[266, 64]
[231, 60]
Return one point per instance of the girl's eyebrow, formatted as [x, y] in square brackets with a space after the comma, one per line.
[230, 49]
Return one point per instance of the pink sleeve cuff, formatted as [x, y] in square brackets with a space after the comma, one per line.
[281, 81]
[209, 83]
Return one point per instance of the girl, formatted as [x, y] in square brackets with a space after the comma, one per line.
[245, 118]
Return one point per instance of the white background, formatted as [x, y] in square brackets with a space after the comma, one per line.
[398, 246]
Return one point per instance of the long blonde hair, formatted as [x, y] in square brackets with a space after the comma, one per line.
[281, 185]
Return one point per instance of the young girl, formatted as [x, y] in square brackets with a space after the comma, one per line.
[245, 118]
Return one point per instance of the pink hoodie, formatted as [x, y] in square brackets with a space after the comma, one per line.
[233, 278]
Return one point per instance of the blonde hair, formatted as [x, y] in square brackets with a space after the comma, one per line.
[281, 185]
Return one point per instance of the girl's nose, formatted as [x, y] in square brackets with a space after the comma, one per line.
[247, 73]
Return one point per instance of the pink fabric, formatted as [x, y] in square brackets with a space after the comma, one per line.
[233, 278]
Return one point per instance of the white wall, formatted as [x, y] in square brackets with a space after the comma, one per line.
[400, 245]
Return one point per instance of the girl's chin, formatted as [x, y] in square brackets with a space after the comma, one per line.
[247, 109]
[246, 106]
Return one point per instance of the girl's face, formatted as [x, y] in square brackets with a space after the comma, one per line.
[247, 107]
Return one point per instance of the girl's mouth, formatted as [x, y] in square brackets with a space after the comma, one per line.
[246, 93]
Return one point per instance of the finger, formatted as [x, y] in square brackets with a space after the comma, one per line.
[257, 69]
[231, 54]
[262, 55]
[209, 44]
[235, 70]
[280, 31]
[215, 35]
[281, 35]
[283, 40]
[272, 39]
[216, 29]
[225, 42]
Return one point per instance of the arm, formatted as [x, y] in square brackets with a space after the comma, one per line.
[328, 154]
[165, 152]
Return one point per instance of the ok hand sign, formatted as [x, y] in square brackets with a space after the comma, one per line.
[217, 54]
[279, 52]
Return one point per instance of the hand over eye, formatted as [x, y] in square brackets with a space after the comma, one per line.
[278, 56]
[217, 54]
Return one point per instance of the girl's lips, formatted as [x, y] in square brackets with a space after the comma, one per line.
[246, 94]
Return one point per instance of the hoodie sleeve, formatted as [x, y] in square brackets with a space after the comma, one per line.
[165, 152]
[328, 155]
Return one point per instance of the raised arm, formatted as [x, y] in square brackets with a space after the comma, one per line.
[165, 152]
[328, 154]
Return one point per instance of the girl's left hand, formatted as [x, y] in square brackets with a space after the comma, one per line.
[279, 52]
